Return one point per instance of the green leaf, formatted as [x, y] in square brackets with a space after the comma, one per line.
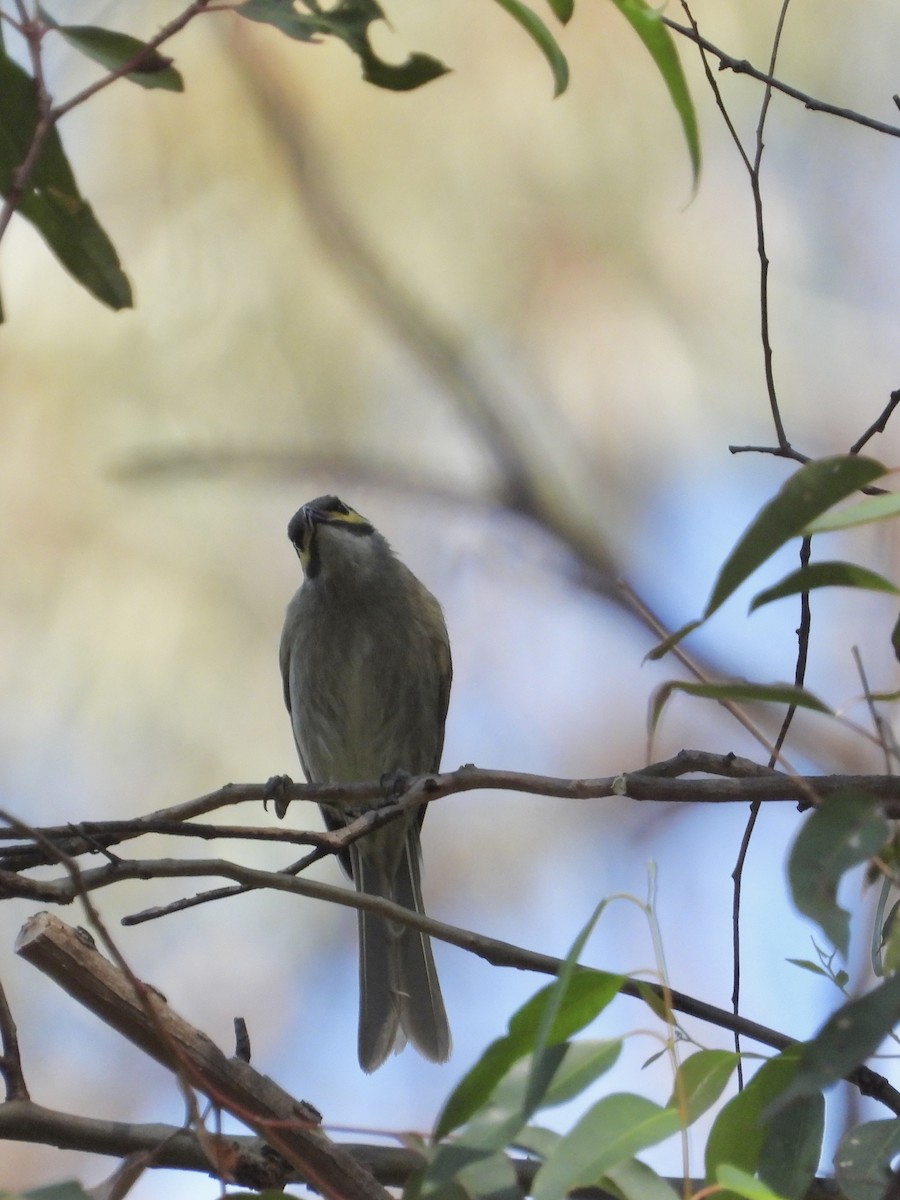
[587, 994]
[537, 1140]
[69, 227]
[890, 940]
[809, 492]
[70, 1190]
[52, 202]
[672, 640]
[824, 574]
[700, 1081]
[847, 1038]
[744, 1185]
[793, 1147]
[611, 1132]
[446, 1163]
[493, 1178]
[738, 690]
[543, 39]
[634, 1180]
[647, 24]
[739, 1132]
[349, 22]
[562, 9]
[848, 828]
[812, 967]
[582, 1064]
[873, 508]
[863, 1158]
[113, 50]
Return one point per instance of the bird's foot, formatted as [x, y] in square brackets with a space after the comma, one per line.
[395, 784]
[276, 791]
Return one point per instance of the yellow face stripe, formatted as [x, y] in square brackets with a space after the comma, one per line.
[343, 518]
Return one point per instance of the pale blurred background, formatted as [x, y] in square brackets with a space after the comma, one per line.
[152, 458]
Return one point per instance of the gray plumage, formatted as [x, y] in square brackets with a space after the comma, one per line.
[365, 662]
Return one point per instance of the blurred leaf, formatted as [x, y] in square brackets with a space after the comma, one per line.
[793, 1146]
[349, 22]
[808, 966]
[611, 1132]
[566, 1004]
[740, 690]
[51, 201]
[744, 1185]
[634, 1180]
[654, 1001]
[588, 994]
[445, 1164]
[890, 941]
[846, 1040]
[543, 39]
[863, 1159]
[845, 830]
[582, 1064]
[673, 639]
[873, 508]
[700, 1081]
[808, 492]
[70, 1190]
[493, 1178]
[823, 574]
[537, 1140]
[112, 50]
[645, 21]
[739, 1131]
[562, 9]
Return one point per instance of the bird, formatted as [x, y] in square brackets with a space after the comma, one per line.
[366, 668]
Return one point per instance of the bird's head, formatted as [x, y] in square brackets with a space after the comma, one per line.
[328, 531]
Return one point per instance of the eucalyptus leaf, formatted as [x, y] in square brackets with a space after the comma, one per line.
[700, 1081]
[543, 39]
[610, 1133]
[737, 690]
[738, 1134]
[846, 1040]
[807, 494]
[863, 1159]
[113, 50]
[873, 508]
[824, 574]
[646, 21]
[51, 200]
[349, 22]
[848, 828]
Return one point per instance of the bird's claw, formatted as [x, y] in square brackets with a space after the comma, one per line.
[276, 790]
[395, 783]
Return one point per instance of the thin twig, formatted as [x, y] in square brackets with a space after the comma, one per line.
[10, 1057]
[879, 425]
[740, 66]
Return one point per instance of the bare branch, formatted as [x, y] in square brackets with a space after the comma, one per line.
[291, 1127]
[740, 66]
[10, 1058]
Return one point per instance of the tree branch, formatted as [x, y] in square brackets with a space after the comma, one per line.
[740, 66]
[291, 1127]
[734, 780]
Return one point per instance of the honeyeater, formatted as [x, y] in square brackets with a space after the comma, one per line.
[365, 661]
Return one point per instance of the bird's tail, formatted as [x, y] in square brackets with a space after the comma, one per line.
[399, 993]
